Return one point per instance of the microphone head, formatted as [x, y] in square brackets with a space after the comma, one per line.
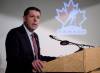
[51, 36]
[65, 42]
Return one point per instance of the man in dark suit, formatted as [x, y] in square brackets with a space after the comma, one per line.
[22, 53]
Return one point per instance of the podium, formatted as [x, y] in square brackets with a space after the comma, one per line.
[86, 60]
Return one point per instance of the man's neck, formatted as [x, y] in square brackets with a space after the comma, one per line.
[28, 28]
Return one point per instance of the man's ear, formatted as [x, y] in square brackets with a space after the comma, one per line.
[24, 18]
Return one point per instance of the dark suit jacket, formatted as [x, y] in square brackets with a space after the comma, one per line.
[19, 53]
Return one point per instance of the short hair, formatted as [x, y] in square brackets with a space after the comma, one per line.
[26, 12]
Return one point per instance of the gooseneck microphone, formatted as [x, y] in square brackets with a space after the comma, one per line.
[66, 42]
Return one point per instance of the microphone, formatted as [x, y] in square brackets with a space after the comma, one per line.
[54, 37]
[51, 36]
[66, 42]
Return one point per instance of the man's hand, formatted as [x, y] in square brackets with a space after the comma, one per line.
[37, 65]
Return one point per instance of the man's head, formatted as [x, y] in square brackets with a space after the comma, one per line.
[31, 18]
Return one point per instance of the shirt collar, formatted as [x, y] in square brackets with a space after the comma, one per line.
[28, 32]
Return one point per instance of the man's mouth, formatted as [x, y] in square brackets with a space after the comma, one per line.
[34, 25]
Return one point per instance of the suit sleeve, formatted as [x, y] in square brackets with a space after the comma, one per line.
[14, 55]
[12, 47]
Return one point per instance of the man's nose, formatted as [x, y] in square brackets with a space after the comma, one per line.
[35, 19]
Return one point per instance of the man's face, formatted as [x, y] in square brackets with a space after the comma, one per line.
[32, 19]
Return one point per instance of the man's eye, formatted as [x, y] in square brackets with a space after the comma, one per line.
[31, 16]
[38, 17]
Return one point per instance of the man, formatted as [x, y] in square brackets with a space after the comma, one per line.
[22, 53]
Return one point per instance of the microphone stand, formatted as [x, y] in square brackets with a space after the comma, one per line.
[80, 46]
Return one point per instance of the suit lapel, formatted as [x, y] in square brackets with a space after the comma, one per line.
[26, 42]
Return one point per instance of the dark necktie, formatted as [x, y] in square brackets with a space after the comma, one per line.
[35, 47]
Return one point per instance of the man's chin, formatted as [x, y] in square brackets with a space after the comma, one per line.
[34, 29]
